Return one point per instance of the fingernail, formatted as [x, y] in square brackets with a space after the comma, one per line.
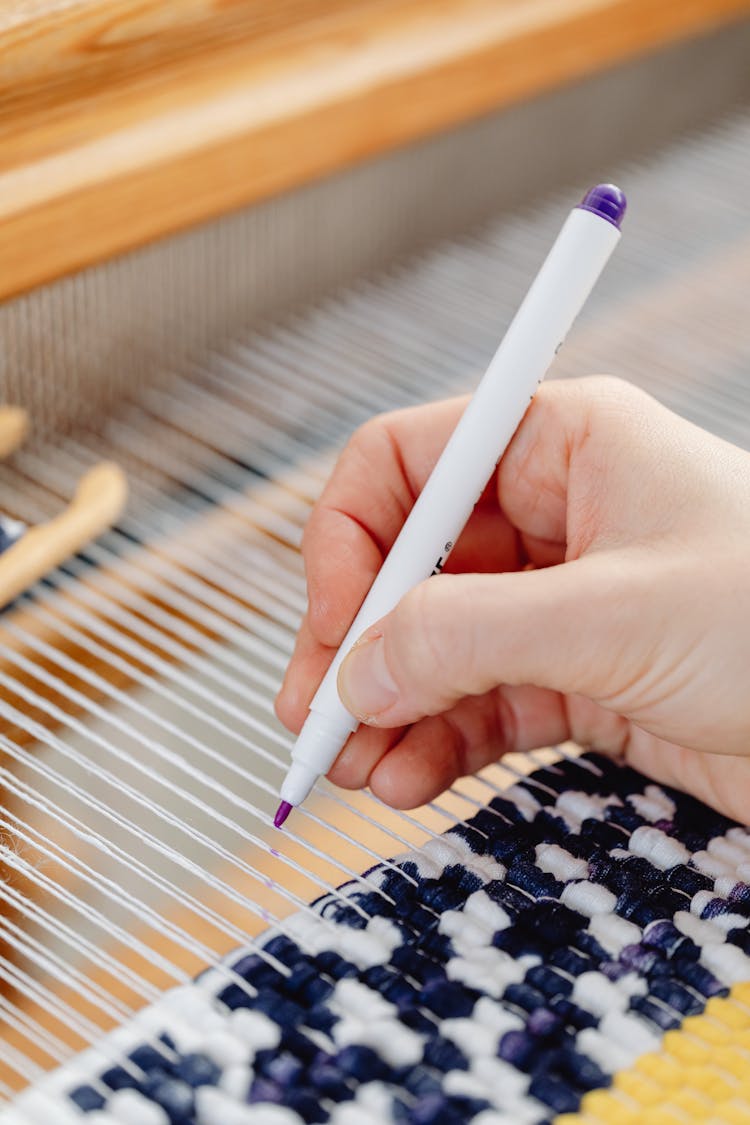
[366, 687]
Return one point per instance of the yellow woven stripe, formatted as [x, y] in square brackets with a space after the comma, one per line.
[700, 1074]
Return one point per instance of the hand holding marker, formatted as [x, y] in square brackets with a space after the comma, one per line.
[572, 267]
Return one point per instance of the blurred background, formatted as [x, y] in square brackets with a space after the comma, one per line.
[334, 137]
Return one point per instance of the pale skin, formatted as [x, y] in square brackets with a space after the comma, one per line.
[600, 593]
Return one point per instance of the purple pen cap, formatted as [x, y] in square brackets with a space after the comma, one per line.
[607, 201]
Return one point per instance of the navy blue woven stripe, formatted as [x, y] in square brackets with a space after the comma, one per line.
[550, 945]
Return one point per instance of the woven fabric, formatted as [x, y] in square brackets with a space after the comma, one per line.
[498, 975]
[700, 1074]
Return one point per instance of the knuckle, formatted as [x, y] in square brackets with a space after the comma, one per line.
[362, 437]
[596, 412]
[375, 437]
[610, 397]
[610, 386]
[366, 437]
[360, 448]
[592, 392]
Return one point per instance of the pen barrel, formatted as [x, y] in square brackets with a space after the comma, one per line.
[485, 429]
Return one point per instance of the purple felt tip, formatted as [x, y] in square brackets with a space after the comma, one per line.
[607, 201]
[282, 813]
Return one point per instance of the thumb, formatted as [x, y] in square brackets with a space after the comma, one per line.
[576, 628]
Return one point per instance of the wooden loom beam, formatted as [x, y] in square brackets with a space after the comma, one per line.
[123, 120]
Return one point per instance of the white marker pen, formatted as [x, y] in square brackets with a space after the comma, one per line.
[557, 295]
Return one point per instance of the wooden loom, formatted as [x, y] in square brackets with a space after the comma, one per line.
[121, 123]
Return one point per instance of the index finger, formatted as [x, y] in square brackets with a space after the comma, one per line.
[374, 485]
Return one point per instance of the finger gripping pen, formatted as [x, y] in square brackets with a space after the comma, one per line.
[559, 291]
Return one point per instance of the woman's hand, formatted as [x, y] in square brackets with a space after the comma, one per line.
[600, 593]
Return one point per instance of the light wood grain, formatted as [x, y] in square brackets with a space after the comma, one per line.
[122, 120]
